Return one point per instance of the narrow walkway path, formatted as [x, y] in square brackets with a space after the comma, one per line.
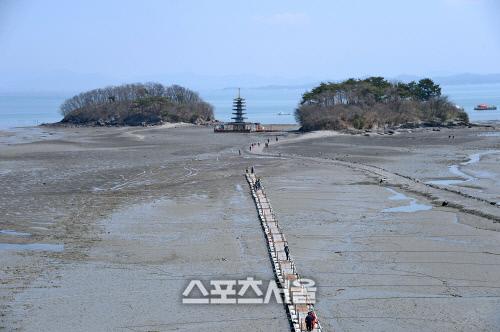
[298, 298]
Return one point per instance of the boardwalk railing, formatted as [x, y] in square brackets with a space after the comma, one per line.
[297, 297]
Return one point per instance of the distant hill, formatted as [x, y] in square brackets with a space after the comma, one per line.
[70, 82]
[465, 78]
[458, 79]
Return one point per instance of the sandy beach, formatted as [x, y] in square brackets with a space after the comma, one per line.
[103, 228]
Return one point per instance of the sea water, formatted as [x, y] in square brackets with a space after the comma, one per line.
[265, 105]
[23, 110]
[470, 95]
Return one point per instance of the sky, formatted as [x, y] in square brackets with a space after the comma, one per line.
[58, 45]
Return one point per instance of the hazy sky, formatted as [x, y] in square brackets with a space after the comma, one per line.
[45, 43]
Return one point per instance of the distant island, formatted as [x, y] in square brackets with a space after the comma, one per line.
[135, 105]
[374, 102]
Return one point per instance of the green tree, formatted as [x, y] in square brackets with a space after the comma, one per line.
[427, 89]
[377, 87]
[403, 90]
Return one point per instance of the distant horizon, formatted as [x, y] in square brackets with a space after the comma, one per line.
[210, 83]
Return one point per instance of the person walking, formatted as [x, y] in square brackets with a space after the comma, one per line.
[309, 321]
[287, 252]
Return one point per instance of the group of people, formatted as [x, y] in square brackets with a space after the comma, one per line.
[254, 145]
[311, 320]
[257, 185]
[266, 144]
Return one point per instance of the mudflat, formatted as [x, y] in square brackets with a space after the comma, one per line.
[103, 228]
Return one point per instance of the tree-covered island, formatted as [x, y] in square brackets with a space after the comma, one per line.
[136, 104]
[373, 103]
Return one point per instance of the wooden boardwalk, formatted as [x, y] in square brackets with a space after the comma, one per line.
[297, 299]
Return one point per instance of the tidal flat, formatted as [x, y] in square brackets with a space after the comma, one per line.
[136, 213]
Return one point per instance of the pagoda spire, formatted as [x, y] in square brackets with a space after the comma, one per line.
[239, 106]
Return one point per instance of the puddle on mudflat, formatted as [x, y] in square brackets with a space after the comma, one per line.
[32, 247]
[13, 233]
[476, 157]
[445, 182]
[39, 228]
[445, 239]
[455, 170]
[413, 206]
[397, 196]
[490, 134]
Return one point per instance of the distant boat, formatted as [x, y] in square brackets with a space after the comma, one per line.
[283, 113]
[484, 107]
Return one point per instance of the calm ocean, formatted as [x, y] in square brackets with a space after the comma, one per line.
[264, 104]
